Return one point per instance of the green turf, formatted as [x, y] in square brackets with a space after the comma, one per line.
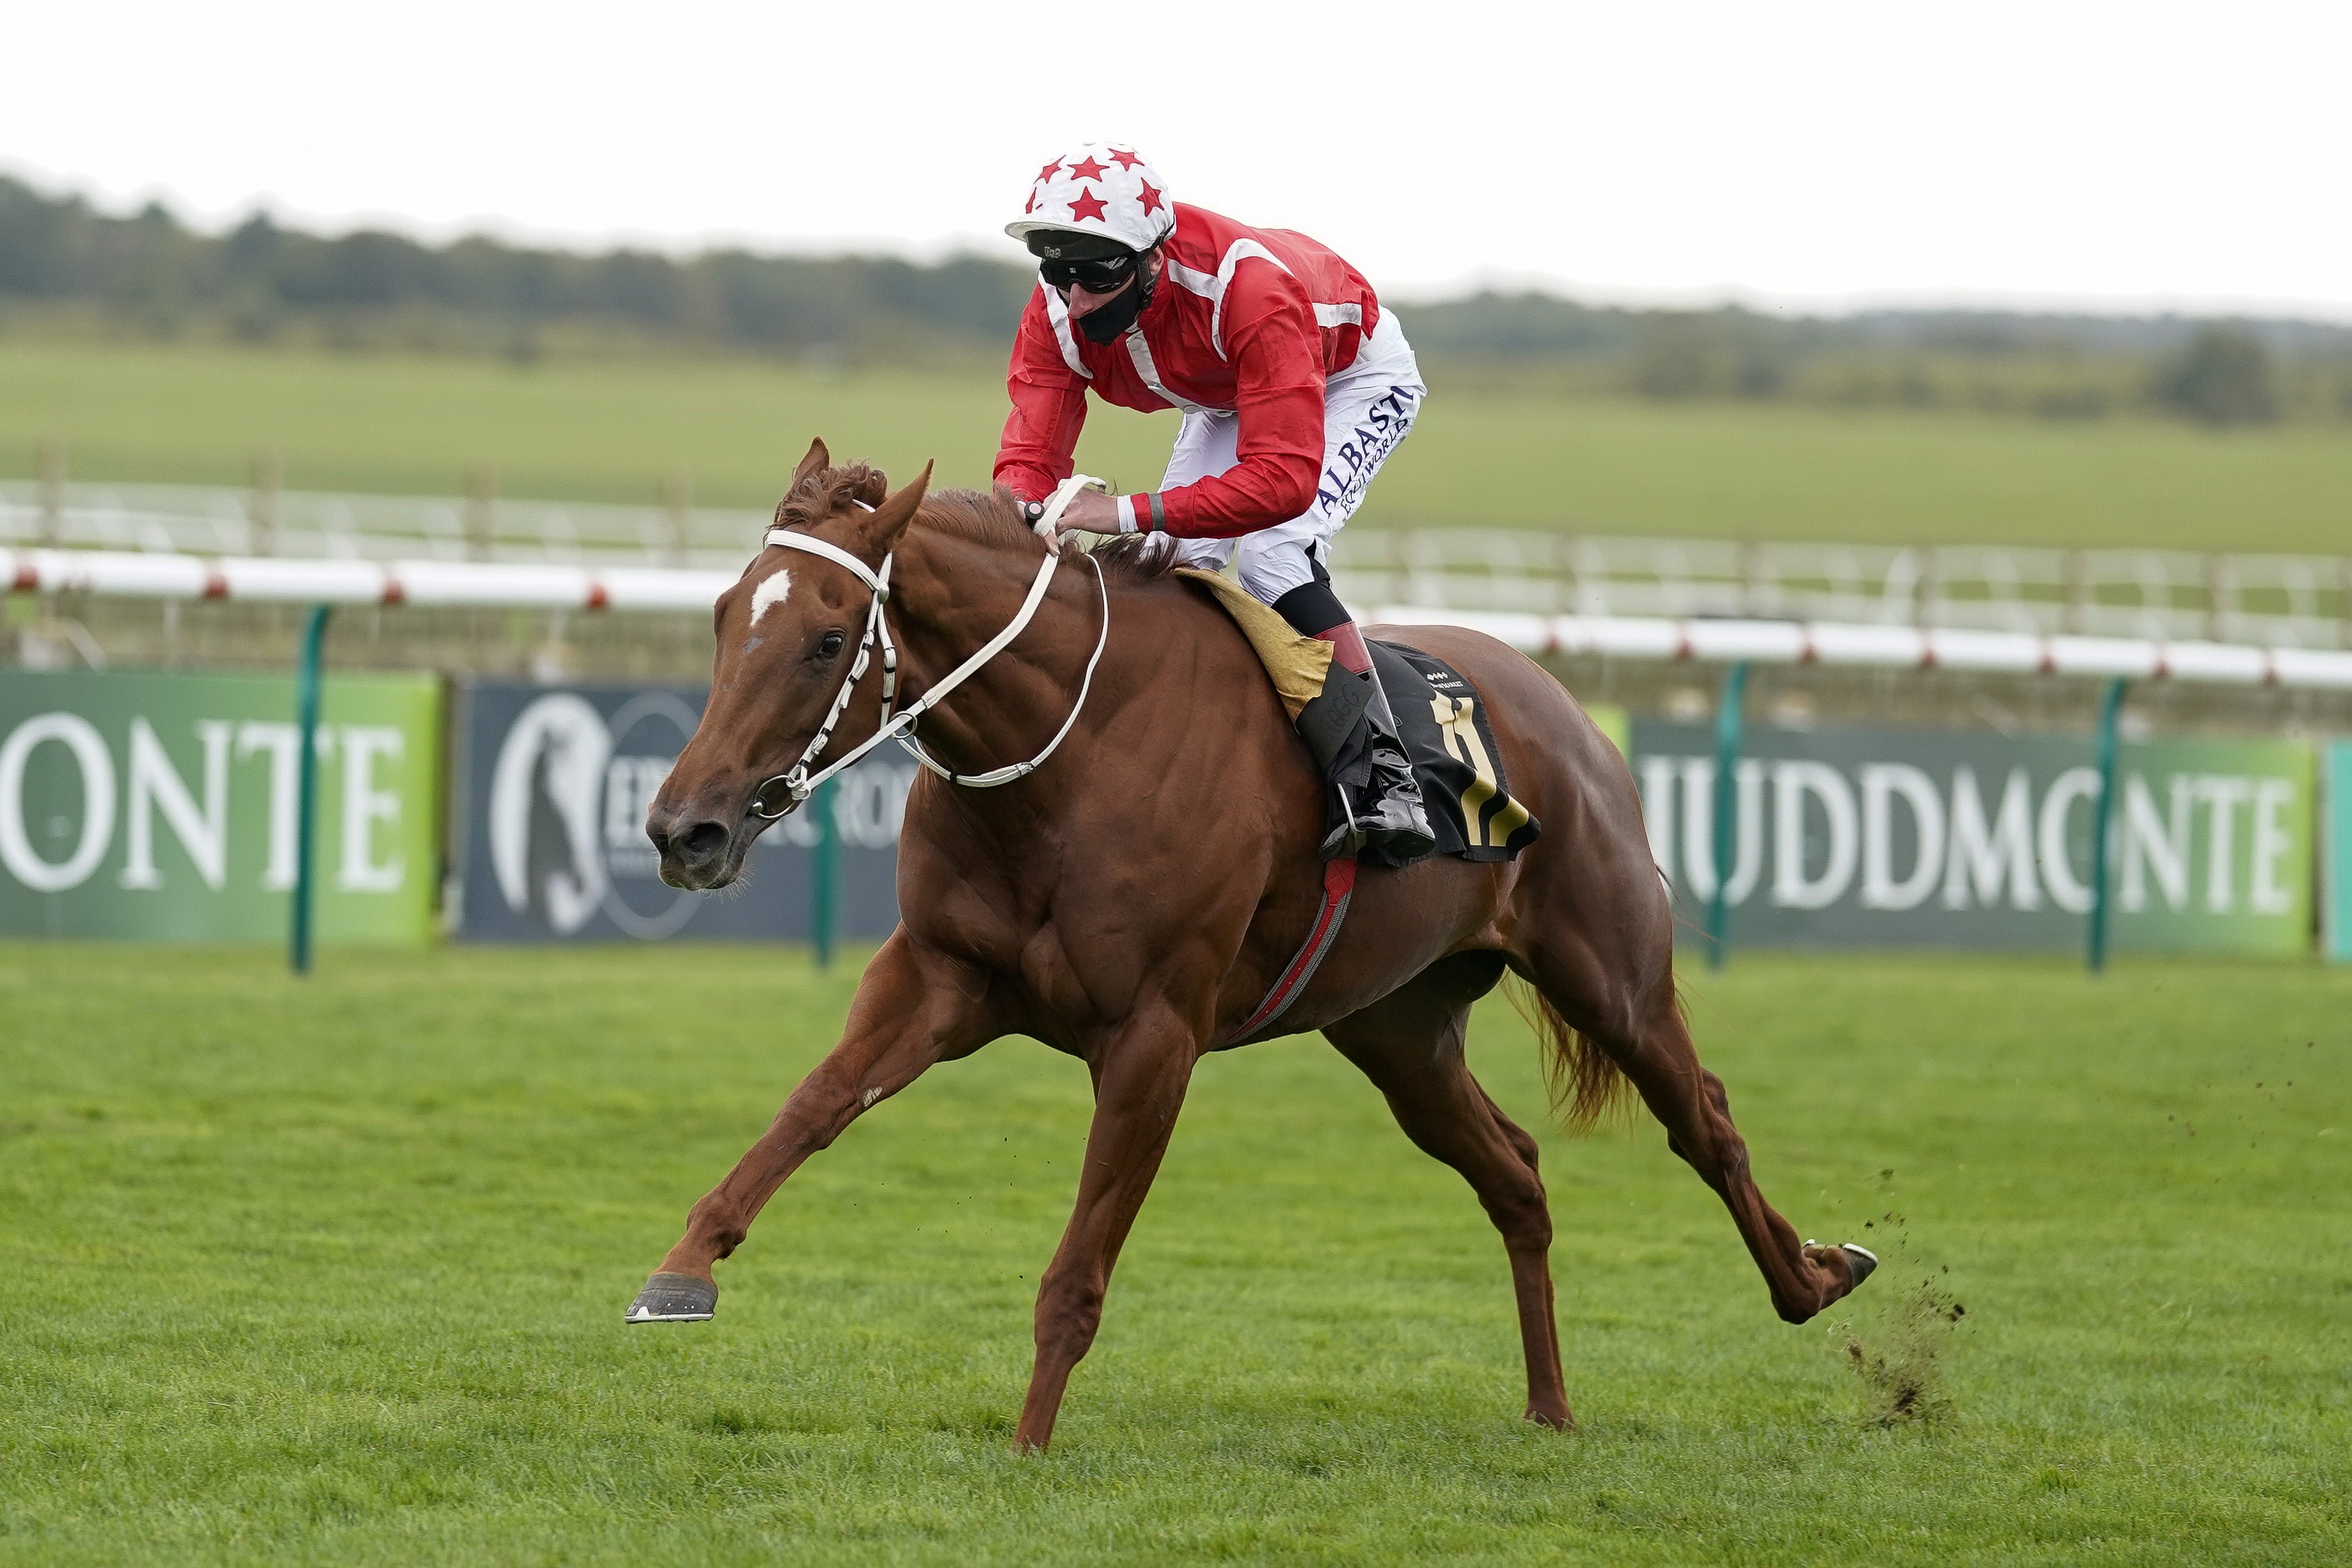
[1484, 453]
[333, 1272]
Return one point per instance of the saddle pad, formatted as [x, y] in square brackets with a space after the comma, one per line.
[1454, 755]
[1296, 664]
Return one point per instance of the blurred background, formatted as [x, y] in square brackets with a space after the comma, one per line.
[1920, 435]
[2009, 319]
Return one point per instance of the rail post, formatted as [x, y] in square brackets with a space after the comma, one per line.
[2110, 718]
[823, 871]
[269, 479]
[1730, 721]
[481, 512]
[306, 793]
[678, 515]
[51, 494]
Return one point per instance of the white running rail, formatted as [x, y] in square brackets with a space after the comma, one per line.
[2271, 600]
[158, 575]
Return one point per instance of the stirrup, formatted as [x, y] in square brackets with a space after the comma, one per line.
[1397, 826]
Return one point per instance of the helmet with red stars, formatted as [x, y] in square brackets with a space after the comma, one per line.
[1104, 190]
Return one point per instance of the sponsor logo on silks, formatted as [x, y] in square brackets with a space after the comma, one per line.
[1358, 458]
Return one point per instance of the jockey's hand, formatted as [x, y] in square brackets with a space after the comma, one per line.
[1090, 511]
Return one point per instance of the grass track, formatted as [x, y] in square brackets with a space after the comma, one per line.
[592, 431]
[333, 1272]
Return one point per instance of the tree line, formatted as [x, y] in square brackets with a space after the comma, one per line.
[66, 265]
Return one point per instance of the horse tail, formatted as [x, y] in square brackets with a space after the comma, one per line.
[1588, 1087]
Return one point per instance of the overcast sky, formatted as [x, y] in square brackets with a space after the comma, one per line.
[1833, 153]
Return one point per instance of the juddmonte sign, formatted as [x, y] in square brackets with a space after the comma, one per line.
[1892, 837]
[555, 784]
[164, 805]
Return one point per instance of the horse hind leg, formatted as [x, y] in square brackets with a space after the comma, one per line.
[1593, 1032]
[1410, 1046]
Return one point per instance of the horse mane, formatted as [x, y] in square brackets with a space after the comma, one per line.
[992, 516]
[985, 517]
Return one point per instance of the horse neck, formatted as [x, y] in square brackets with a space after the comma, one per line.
[950, 594]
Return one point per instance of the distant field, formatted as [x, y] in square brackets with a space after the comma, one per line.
[609, 430]
[333, 1271]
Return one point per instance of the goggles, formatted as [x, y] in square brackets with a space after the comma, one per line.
[1105, 275]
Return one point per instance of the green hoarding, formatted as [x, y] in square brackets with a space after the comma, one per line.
[163, 806]
[1893, 837]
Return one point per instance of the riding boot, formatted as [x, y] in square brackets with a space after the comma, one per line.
[1390, 817]
[1352, 734]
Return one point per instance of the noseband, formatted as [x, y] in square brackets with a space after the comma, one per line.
[900, 726]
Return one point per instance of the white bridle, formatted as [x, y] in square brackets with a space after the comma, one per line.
[900, 726]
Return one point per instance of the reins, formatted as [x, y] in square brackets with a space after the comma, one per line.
[900, 726]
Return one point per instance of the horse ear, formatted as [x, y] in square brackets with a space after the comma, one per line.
[891, 519]
[818, 461]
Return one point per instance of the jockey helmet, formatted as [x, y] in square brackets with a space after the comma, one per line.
[1103, 191]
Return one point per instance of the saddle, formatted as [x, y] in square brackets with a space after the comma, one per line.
[1440, 717]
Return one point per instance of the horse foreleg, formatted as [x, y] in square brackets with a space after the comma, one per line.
[1139, 1082]
[913, 1008]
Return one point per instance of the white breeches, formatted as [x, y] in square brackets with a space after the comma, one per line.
[1367, 408]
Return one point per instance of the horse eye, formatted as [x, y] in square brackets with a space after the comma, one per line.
[829, 645]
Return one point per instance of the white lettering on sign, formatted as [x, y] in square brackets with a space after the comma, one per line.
[283, 744]
[1699, 829]
[156, 784]
[2273, 844]
[2155, 844]
[365, 805]
[82, 739]
[1794, 783]
[1985, 857]
[2067, 891]
[1887, 836]
[630, 786]
[1883, 784]
[194, 803]
[2222, 796]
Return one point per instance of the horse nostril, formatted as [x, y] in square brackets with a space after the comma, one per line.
[703, 841]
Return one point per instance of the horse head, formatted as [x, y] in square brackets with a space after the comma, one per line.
[788, 633]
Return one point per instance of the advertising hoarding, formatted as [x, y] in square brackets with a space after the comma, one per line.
[553, 786]
[164, 806]
[1861, 838]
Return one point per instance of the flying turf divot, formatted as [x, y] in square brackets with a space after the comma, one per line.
[675, 1299]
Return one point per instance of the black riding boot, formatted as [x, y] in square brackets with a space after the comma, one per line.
[1389, 818]
[1352, 733]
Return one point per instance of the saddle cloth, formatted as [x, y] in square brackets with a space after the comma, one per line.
[1444, 724]
[1445, 732]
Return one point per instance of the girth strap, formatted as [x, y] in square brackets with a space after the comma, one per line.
[1338, 887]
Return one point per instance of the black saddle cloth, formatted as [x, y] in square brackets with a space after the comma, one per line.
[1443, 725]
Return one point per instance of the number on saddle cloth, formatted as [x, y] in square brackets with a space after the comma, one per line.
[1446, 734]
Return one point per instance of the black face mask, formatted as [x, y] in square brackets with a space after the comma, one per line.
[1106, 324]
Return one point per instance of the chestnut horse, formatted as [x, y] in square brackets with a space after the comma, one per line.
[1132, 902]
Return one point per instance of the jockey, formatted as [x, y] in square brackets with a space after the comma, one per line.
[1295, 386]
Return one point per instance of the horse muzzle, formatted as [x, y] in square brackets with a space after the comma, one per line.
[697, 851]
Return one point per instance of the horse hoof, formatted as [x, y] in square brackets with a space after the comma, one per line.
[1861, 1260]
[675, 1299]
